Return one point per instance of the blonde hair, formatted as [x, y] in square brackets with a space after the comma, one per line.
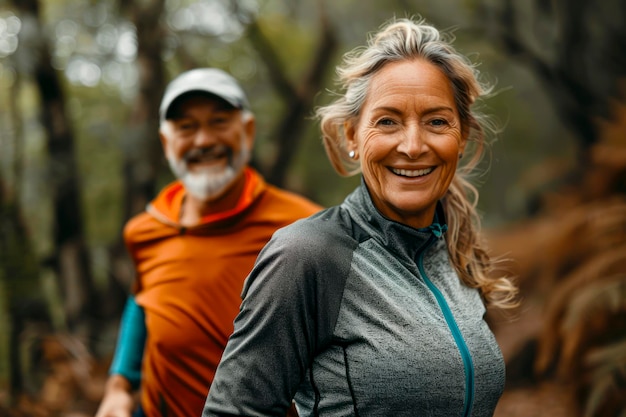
[406, 39]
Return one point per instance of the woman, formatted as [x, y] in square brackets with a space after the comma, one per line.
[375, 307]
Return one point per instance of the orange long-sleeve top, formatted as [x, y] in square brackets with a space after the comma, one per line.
[189, 283]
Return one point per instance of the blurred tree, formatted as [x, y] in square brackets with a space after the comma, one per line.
[575, 49]
[70, 257]
[297, 96]
[143, 154]
[22, 300]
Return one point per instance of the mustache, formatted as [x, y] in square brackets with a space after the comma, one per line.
[214, 151]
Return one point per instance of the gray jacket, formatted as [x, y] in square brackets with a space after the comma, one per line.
[357, 315]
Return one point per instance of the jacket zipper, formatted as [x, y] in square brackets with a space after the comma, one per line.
[454, 328]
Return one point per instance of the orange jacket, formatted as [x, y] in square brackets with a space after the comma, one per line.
[189, 283]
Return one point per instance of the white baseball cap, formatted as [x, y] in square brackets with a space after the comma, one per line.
[208, 80]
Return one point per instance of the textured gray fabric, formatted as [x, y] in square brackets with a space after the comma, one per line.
[337, 313]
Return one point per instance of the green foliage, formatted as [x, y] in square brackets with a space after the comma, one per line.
[293, 33]
[19, 279]
[99, 149]
[94, 51]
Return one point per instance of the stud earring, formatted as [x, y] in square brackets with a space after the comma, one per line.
[352, 154]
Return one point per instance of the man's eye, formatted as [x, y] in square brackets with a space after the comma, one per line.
[185, 126]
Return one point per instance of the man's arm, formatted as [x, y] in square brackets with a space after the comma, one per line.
[125, 370]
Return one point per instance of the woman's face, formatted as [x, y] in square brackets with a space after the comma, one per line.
[408, 139]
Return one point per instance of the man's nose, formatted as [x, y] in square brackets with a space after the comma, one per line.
[204, 137]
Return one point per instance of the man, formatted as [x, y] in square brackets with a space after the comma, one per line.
[192, 248]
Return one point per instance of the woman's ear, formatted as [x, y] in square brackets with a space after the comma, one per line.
[463, 142]
[462, 147]
[349, 132]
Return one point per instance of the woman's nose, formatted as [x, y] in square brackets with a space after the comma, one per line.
[411, 143]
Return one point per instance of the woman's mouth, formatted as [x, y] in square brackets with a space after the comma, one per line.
[412, 173]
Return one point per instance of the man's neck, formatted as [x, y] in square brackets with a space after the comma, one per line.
[194, 209]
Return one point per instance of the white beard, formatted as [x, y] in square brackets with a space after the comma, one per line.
[209, 183]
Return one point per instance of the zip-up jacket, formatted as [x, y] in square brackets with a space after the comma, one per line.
[358, 315]
[189, 283]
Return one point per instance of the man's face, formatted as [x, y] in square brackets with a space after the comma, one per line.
[207, 143]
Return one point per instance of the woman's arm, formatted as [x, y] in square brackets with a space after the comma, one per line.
[290, 305]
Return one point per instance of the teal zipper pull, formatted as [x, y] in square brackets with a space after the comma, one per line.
[438, 230]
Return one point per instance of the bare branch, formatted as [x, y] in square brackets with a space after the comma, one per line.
[269, 56]
[291, 125]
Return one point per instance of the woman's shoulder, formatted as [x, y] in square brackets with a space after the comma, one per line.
[320, 232]
[314, 252]
[317, 244]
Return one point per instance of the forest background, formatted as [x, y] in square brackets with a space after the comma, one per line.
[80, 84]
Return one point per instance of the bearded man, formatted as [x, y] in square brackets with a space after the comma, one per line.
[192, 249]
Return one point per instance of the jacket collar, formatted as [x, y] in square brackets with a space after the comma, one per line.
[396, 236]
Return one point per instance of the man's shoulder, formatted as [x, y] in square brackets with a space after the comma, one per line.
[137, 223]
[144, 226]
[289, 203]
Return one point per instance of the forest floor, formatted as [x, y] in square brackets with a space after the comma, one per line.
[73, 388]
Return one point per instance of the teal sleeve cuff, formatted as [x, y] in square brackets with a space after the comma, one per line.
[130, 343]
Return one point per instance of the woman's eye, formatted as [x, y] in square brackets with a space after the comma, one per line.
[386, 122]
[438, 122]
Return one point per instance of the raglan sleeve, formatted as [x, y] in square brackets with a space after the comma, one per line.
[132, 332]
[290, 304]
[130, 343]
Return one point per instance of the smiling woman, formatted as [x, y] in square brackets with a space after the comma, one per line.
[409, 139]
[376, 306]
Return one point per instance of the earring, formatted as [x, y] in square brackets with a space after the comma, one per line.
[351, 154]
[460, 155]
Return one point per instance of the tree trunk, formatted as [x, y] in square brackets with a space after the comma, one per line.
[580, 67]
[143, 156]
[70, 258]
[298, 98]
[19, 278]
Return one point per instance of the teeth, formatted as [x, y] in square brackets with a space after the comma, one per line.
[412, 172]
[206, 154]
